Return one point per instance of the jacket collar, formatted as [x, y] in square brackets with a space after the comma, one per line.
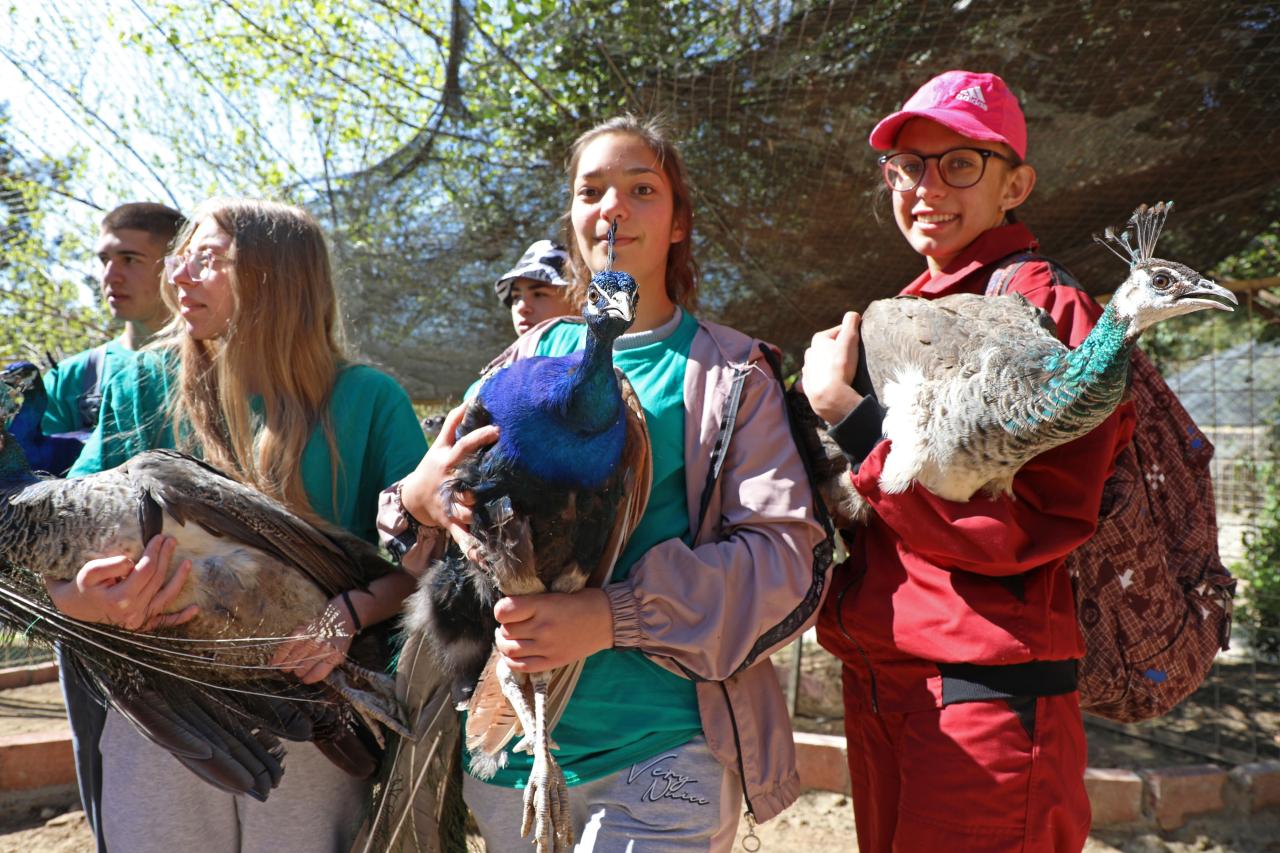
[991, 246]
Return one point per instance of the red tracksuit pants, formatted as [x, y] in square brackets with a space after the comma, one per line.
[989, 776]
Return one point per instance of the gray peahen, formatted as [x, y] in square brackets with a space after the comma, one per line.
[555, 500]
[977, 386]
[203, 690]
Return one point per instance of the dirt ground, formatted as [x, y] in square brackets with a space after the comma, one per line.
[1237, 708]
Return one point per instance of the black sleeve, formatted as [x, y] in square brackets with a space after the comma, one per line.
[860, 430]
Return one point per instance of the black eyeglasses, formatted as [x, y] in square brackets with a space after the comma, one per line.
[958, 168]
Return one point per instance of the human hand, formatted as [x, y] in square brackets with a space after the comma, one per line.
[552, 629]
[423, 492]
[829, 365]
[314, 649]
[133, 596]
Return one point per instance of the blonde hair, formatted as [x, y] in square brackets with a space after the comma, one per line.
[682, 269]
[283, 343]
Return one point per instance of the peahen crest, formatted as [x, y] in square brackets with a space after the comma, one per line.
[1137, 241]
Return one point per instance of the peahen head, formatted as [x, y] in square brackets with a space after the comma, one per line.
[1156, 289]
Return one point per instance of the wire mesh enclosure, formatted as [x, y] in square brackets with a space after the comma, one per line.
[429, 137]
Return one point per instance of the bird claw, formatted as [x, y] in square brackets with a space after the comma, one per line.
[525, 744]
[377, 704]
[546, 807]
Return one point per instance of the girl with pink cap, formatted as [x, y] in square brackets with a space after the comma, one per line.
[956, 622]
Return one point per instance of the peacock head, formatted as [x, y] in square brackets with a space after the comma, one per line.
[612, 297]
[1157, 289]
[8, 410]
[21, 376]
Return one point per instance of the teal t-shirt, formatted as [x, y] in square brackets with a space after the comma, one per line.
[375, 430]
[65, 385]
[625, 707]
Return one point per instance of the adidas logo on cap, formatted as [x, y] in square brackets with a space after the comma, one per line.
[974, 96]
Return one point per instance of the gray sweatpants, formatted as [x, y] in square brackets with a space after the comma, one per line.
[152, 804]
[681, 800]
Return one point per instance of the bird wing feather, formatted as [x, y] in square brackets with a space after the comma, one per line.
[192, 491]
[942, 338]
[954, 372]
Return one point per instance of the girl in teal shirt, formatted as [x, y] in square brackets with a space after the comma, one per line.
[251, 377]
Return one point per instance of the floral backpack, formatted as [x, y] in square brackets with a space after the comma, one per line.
[1152, 597]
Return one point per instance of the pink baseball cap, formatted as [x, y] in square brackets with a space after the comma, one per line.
[979, 106]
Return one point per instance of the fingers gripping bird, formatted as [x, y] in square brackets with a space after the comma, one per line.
[554, 502]
[977, 386]
[204, 690]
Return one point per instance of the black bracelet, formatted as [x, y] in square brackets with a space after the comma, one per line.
[414, 524]
[355, 619]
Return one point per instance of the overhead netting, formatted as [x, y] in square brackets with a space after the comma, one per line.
[772, 101]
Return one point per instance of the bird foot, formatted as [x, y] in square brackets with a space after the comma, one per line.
[546, 807]
[377, 704]
[525, 744]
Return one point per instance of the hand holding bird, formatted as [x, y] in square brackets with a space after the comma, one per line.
[829, 365]
[133, 596]
[424, 493]
[552, 629]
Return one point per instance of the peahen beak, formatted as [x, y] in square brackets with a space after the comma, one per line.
[1210, 295]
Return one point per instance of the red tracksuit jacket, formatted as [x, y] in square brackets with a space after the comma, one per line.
[982, 582]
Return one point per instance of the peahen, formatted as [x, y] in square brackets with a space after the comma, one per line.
[203, 690]
[976, 386]
[555, 500]
[54, 453]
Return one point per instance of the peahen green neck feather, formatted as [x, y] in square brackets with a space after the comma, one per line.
[1089, 377]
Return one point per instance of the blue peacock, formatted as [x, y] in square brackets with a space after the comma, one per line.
[54, 453]
[555, 499]
[977, 386]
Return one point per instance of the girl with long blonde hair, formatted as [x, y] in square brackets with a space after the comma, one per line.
[251, 376]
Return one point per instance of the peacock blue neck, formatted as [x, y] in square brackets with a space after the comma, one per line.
[14, 467]
[592, 395]
[29, 417]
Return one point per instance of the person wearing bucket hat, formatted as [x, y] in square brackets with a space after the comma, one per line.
[955, 622]
[534, 289]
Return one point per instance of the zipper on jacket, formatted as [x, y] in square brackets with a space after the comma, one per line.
[742, 771]
[871, 670]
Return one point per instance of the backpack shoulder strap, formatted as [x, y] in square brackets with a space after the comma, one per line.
[728, 421]
[91, 387]
[1007, 267]
[91, 379]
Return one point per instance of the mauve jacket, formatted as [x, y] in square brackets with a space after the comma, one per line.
[751, 583]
